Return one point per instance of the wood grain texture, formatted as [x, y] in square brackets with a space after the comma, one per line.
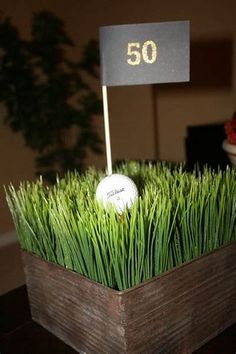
[176, 312]
[182, 309]
[82, 313]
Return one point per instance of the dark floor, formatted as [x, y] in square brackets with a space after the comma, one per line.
[20, 335]
[11, 268]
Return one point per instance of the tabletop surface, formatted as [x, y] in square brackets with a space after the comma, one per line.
[20, 335]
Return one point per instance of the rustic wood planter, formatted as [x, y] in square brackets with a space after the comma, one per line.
[176, 312]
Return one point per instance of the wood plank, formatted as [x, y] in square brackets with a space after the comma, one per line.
[176, 312]
[81, 312]
[185, 307]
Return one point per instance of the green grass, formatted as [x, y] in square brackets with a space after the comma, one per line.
[177, 217]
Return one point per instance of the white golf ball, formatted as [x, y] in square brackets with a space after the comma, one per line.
[118, 190]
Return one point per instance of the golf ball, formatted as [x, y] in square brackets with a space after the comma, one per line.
[118, 190]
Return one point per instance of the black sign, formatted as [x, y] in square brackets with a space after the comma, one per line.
[145, 53]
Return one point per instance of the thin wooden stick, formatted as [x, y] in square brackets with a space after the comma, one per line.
[107, 130]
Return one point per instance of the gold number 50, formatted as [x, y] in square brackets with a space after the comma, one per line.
[148, 52]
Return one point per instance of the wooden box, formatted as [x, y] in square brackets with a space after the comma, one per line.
[176, 312]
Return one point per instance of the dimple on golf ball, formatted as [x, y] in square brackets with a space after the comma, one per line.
[118, 190]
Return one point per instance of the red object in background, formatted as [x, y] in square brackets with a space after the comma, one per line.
[230, 130]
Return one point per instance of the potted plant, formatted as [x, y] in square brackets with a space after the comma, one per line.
[46, 96]
[158, 278]
[229, 144]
